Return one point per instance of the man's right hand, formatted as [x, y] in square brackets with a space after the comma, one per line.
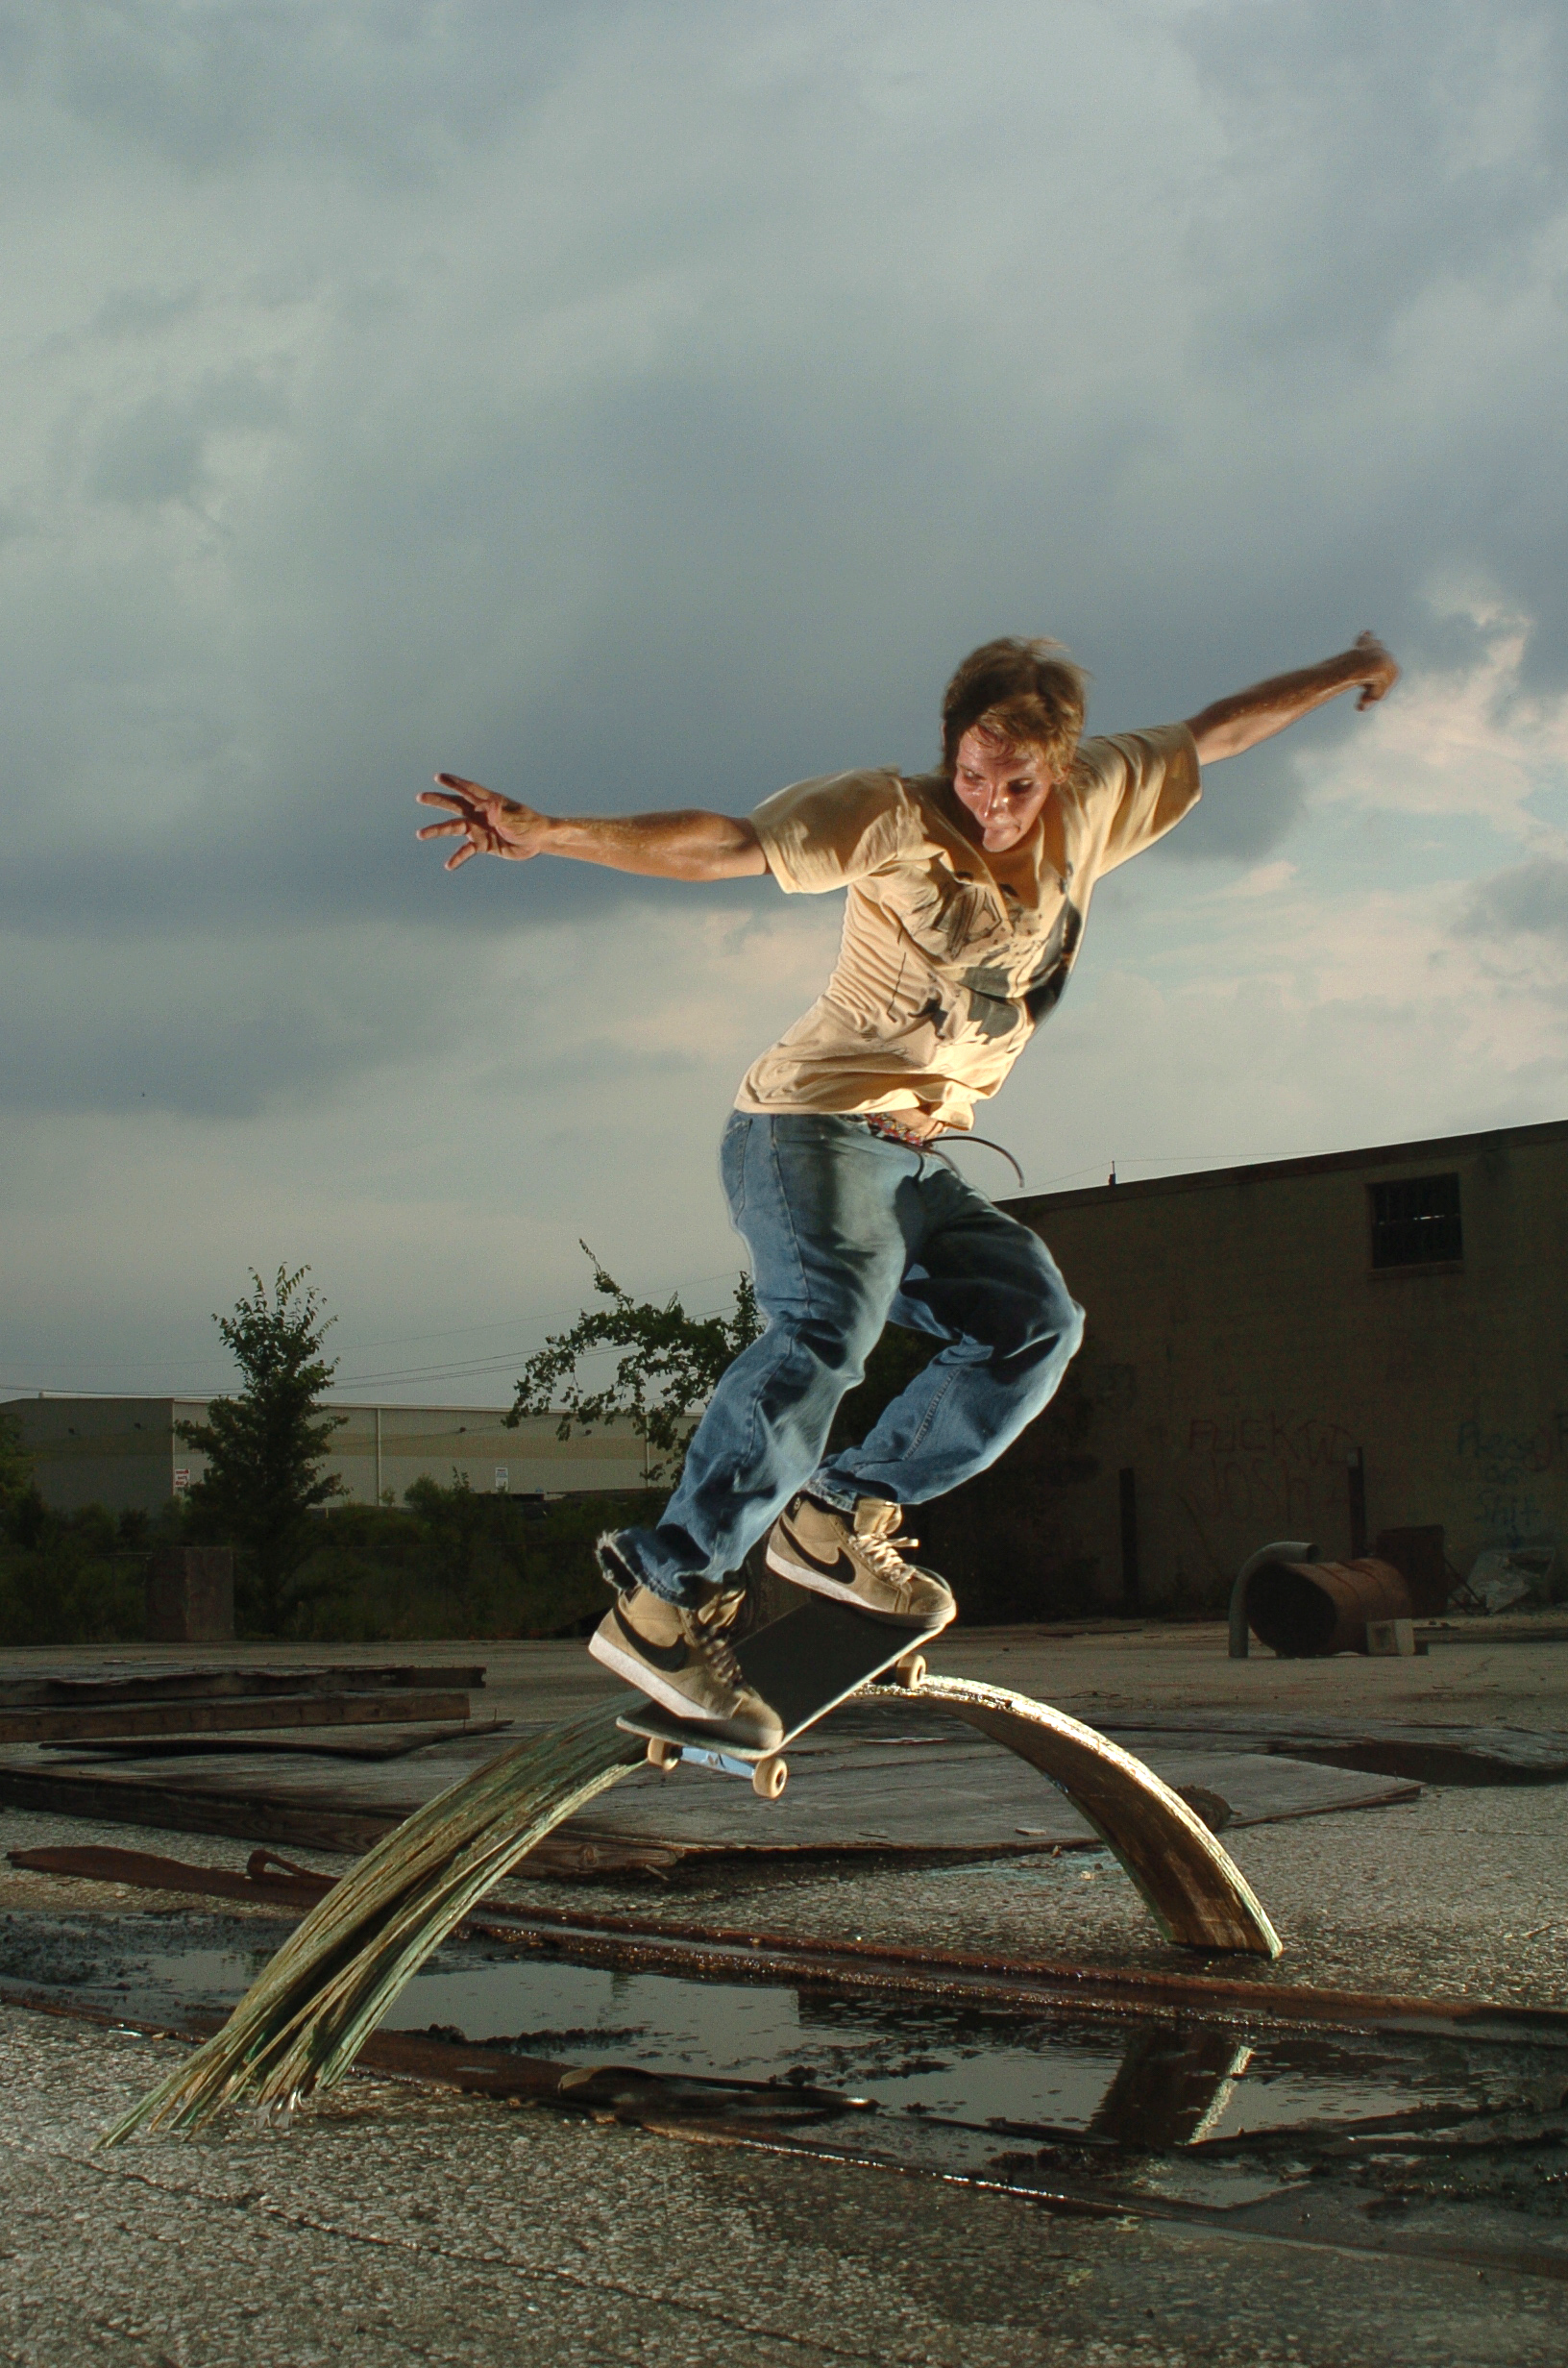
[692, 845]
[487, 822]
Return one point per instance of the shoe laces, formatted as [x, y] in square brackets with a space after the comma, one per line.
[886, 1556]
[706, 1629]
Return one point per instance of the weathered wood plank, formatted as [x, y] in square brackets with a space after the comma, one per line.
[231, 1712]
[951, 1799]
[1425, 1754]
[170, 1683]
[309, 1822]
[398, 1742]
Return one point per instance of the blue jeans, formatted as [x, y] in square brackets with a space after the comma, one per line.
[846, 1231]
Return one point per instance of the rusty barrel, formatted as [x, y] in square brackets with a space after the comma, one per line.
[1303, 1610]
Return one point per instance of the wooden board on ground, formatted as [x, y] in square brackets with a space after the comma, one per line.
[101, 1685]
[220, 1714]
[879, 1776]
[121, 1704]
[1425, 1754]
[392, 1742]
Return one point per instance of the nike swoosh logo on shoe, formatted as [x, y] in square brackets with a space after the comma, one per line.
[669, 1657]
[841, 1567]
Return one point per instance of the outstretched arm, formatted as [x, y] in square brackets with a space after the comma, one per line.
[1237, 723]
[685, 845]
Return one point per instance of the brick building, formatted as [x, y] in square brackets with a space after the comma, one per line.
[1320, 1349]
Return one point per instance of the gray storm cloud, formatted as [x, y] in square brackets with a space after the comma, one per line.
[632, 405]
[1529, 898]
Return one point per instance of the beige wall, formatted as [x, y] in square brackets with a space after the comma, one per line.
[1240, 1347]
[123, 1453]
[116, 1451]
[435, 1441]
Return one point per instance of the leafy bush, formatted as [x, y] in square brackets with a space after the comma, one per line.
[450, 1562]
[71, 1578]
[671, 1366]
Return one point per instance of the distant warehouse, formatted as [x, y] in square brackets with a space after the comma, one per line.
[123, 1452]
[1318, 1349]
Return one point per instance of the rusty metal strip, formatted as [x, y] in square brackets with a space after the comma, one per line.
[1022, 1987]
[1122, 1988]
[705, 1951]
[1196, 1893]
[142, 1871]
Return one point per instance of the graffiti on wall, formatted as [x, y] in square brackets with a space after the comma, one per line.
[1284, 1471]
[1505, 1469]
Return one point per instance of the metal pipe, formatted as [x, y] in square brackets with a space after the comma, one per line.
[1195, 1892]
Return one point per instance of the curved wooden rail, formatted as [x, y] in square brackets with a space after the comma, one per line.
[1196, 1893]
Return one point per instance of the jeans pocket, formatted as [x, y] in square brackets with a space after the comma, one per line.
[732, 1162]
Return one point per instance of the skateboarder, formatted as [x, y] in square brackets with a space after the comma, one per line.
[969, 888]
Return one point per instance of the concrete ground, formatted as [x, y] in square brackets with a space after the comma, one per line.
[393, 2225]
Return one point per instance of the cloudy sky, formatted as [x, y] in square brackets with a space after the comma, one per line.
[647, 403]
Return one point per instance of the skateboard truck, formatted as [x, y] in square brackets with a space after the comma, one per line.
[767, 1778]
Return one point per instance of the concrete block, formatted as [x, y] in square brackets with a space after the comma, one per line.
[1390, 1636]
[190, 1596]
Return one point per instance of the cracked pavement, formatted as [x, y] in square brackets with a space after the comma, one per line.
[397, 2224]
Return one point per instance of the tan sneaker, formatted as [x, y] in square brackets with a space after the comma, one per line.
[859, 1562]
[681, 1658]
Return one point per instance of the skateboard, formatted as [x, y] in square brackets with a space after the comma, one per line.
[805, 1665]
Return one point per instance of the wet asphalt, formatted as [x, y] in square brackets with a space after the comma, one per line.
[392, 2224]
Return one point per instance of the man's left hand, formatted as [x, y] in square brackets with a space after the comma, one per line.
[1382, 669]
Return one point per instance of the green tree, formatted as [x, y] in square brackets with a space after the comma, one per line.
[264, 1445]
[16, 1483]
[668, 1368]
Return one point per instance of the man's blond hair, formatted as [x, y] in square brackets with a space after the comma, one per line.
[1019, 695]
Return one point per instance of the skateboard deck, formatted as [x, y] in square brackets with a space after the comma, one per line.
[805, 1665]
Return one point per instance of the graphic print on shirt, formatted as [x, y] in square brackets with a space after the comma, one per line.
[1021, 970]
[945, 973]
[945, 917]
[1053, 965]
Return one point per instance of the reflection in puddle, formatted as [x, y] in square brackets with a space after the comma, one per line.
[1146, 2087]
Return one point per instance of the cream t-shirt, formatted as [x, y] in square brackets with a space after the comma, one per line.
[943, 975]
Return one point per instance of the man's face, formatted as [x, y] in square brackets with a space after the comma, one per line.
[1003, 790]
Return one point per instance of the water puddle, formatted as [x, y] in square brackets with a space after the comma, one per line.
[1425, 2142]
[1133, 2083]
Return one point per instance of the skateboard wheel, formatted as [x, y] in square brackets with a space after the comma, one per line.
[665, 1757]
[911, 1672]
[769, 1779]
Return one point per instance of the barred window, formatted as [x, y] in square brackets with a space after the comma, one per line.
[1416, 1224]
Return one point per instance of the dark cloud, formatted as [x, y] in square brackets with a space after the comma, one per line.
[1373, 262]
[388, 88]
[1372, 157]
[211, 1026]
[157, 452]
[634, 411]
[1530, 899]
